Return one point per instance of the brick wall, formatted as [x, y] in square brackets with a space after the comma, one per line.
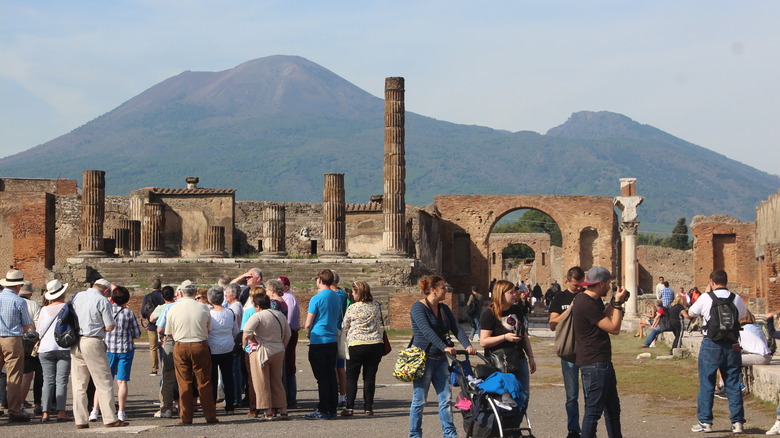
[29, 218]
[722, 242]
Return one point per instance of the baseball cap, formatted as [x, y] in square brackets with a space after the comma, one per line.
[596, 275]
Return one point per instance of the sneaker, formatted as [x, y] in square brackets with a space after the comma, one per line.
[736, 428]
[163, 413]
[317, 415]
[652, 344]
[573, 434]
[721, 393]
[701, 427]
[153, 373]
[121, 416]
[775, 430]
[93, 416]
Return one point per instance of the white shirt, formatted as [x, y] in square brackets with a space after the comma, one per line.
[703, 305]
[752, 340]
[47, 316]
[224, 329]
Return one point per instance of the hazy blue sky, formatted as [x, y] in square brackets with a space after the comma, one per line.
[705, 71]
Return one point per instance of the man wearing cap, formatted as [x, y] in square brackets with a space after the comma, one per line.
[88, 356]
[294, 319]
[593, 323]
[14, 321]
[189, 323]
[32, 365]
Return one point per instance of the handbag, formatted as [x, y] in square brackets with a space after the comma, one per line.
[564, 338]
[34, 352]
[507, 360]
[385, 340]
[30, 341]
[410, 364]
[343, 352]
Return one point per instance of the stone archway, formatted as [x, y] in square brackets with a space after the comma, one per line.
[468, 219]
[538, 242]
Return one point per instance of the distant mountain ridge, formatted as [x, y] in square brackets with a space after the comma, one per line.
[271, 127]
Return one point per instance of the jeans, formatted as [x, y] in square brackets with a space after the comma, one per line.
[436, 372]
[571, 374]
[56, 370]
[712, 357]
[599, 385]
[523, 376]
[474, 327]
[652, 335]
[367, 357]
[322, 357]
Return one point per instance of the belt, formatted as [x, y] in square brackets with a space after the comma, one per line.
[196, 342]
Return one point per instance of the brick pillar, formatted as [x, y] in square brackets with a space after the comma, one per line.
[334, 217]
[93, 212]
[152, 231]
[393, 200]
[274, 232]
[215, 242]
[122, 242]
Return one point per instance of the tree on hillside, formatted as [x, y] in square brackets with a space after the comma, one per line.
[679, 238]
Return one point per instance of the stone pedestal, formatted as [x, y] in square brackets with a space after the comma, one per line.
[394, 202]
[274, 232]
[93, 212]
[153, 231]
[215, 242]
[334, 217]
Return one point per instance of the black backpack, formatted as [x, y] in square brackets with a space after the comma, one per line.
[723, 324]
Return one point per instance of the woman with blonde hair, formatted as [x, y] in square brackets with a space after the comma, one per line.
[649, 314]
[505, 338]
[432, 322]
[755, 350]
[363, 323]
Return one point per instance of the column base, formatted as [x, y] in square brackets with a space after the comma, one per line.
[213, 255]
[92, 254]
[273, 255]
[394, 255]
[333, 255]
[152, 254]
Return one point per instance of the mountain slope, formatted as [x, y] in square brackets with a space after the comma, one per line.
[271, 127]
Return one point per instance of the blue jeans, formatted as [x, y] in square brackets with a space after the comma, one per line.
[523, 376]
[652, 335]
[600, 388]
[474, 327]
[571, 376]
[715, 356]
[435, 372]
[56, 370]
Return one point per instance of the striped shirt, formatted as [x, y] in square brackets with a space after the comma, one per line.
[120, 340]
[13, 314]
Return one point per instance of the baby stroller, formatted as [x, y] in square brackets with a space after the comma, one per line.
[484, 414]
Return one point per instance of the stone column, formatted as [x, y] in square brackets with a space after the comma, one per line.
[334, 217]
[153, 231]
[215, 242]
[122, 239]
[134, 236]
[274, 232]
[628, 203]
[394, 202]
[93, 212]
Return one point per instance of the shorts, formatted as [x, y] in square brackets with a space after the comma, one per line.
[121, 364]
[340, 363]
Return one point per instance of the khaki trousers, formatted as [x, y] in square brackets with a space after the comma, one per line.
[267, 381]
[192, 361]
[154, 352]
[88, 358]
[168, 376]
[12, 356]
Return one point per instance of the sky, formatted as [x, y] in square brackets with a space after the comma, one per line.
[705, 71]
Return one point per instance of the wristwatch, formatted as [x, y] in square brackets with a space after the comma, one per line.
[616, 304]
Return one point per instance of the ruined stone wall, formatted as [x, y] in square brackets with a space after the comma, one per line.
[722, 242]
[53, 186]
[27, 221]
[426, 235]
[676, 266]
[298, 215]
[767, 251]
[364, 233]
[187, 219]
[556, 264]
[767, 223]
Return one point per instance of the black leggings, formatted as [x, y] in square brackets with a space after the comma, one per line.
[368, 357]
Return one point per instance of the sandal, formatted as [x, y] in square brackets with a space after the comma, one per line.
[264, 417]
[346, 413]
[284, 416]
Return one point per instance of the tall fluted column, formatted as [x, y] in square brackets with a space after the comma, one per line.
[274, 231]
[393, 200]
[334, 217]
[93, 212]
[215, 242]
[153, 231]
[134, 236]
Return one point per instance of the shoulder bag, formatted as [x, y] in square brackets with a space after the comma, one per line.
[387, 347]
[564, 337]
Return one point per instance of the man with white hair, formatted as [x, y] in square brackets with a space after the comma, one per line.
[189, 323]
[252, 278]
[14, 321]
[88, 356]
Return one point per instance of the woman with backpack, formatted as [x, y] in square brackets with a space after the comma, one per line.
[55, 360]
[505, 337]
[432, 322]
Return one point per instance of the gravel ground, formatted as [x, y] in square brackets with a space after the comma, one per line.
[641, 417]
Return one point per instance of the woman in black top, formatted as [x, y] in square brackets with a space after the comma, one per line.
[505, 337]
